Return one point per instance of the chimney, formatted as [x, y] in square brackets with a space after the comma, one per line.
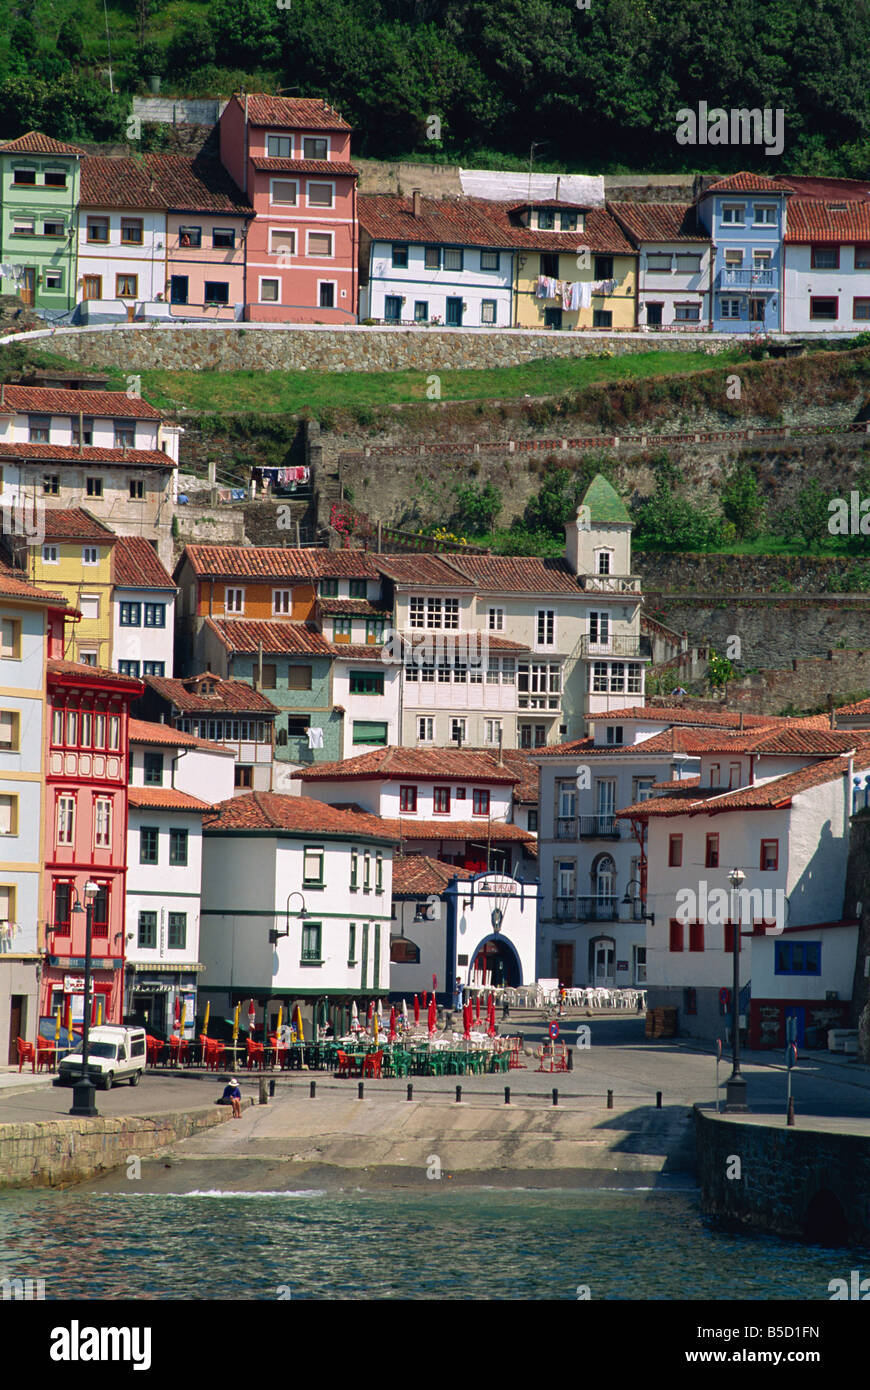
[832, 714]
[325, 104]
[417, 203]
[558, 185]
[741, 722]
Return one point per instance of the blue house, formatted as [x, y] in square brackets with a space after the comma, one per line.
[745, 216]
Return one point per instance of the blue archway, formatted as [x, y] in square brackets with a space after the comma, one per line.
[503, 965]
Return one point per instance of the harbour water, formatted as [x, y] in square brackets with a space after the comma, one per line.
[436, 1243]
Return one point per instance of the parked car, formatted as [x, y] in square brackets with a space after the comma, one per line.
[114, 1054]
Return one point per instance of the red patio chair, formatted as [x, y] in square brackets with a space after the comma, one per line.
[153, 1049]
[255, 1054]
[347, 1066]
[45, 1054]
[372, 1065]
[25, 1054]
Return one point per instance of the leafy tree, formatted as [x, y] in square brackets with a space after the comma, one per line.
[192, 46]
[667, 521]
[808, 519]
[742, 503]
[477, 507]
[719, 670]
[69, 40]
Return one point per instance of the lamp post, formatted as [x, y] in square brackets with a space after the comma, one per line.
[629, 901]
[83, 1091]
[735, 1086]
[274, 937]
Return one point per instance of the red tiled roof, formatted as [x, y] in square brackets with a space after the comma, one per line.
[236, 697]
[676, 782]
[137, 566]
[278, 562]
[171, 182]
[99, 674]
[601, 233]
[518, 573]
[835, 190]
[519, 762]
[418, 874]
[266, 165]
[360, 607]
[761, 796]
[34, 142]
[431, 571]
[821, 742]
[143, 731]
[418, 637]
[686, 714]
[388, 217]
[69, 453]
[425, 763]
[357, 651]
[76, 524]
[274, 811]
[246, 634]
[660, 221]
[678, 739]
[54, 400]
[476, 830]
[860, 707]
[299, 113]
[14, 585]
[747, 183]
[165, 799]
[815, 221]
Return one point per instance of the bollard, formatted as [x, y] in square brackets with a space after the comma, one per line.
[410, 1091]
[313, 1089]
[264, 1094]
[790, 1119]
[507, 1095]
[570, 1065]
[272, 1087]
[360, 1091]
[555, 1096]
[658, 1100]
[458, 1094]
[610, 1100]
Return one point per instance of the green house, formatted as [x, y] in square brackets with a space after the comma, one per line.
[39, 194]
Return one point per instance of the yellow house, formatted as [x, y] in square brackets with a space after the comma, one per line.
[75, 559]
[574, 266]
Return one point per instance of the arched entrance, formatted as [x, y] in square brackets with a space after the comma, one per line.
[495, 962]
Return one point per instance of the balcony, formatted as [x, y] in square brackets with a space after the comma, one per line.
[748, 281]
[617, 645]
[610, 583]
[589, 828]
[587, 909]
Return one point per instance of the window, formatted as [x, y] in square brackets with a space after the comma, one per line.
[730, 308]
[137, 490]
[687, 313]
[392, 308]
[329, 588]
[546, 219]
[153, 770]
[351, 943]
[234, 601]
[696, 936]
[269, 291]
[825, 257]
[728, 938]
[279, 146]
[400, 255]
[147, 930]
[270, 675]
[39, 429]
[94, 487]
[223, 238]
[379, 872]
[421, 310]
[155, 615]
[55, 178]
[154, 668]
[190, 236]
[298, 677]
[488, 309]
[862, 257]
[538, 685]
[53, 229]
[675, 851]
[87, 658]
[98, 229]
[9, 729]
[326, 297]
[50, 555]
[8, 814]
[603, 268]
[320, 195]
[489, 260]
[732, 214]
[367, 872]
[354, 870]
[315, 147]
[130, 614]
[451, 612]
[458, 731]
[441, 801]
[602, 561]
[244, 776]
[24, 176]
[115, 737]
[546, 627]
[285, 192]
[408, 799]
[860, 308]
[374, 631]
[342, 629]
[282, 243]
[149, 840]
[602, 318]
[614, 733]
[62, 907]
[764, 215]
[453, 257]
[823, 307]
[178, 847]
[734, 774]
[432, 258]
[416, 612]
[282, 601]
[711, 857]
[311, 949]
[90, 556]
[769, 854]
[617, 677]
[102, 822]
[126, 286]
[128, 668]
[216, 292]
[599, 629]
[641, 788]
[426, 729]
[23, 226]
[568, 221]
[54, 280]
[176, 923]
[480, 802]
[676, 935]
[761, 260]
[797, 958]
[491, 730]
[320, 243]
[371, 731]
[312, 865]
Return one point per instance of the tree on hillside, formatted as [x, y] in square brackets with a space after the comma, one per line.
[742, 503]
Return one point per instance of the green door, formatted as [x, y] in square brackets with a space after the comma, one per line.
[365, 955]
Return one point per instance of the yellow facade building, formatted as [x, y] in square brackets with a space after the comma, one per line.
[75, 559]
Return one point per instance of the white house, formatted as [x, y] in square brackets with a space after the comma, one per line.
[450, 924]
[775, 805]
[827, 266]
[296, 906]
[807, 974]
[673, 275]
[143, 610]
[164, 868]
[425, 260]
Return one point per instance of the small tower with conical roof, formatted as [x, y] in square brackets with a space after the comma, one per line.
[598, 538]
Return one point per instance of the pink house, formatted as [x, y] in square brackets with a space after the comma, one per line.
[291, 157]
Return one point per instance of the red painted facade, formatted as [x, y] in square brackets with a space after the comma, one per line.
[85, 834]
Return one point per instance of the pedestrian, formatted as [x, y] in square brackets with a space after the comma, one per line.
[457, 994]
[233, 1094]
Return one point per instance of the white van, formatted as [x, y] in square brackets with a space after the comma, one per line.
[114, 1054]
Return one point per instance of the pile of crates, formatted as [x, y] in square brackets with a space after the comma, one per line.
[661, 1023]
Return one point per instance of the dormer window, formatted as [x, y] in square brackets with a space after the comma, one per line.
[568, 221]
[546, 219]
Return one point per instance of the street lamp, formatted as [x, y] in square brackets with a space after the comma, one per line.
[629, 901]
[83, 1091]
[735, 1087]
[274, 938]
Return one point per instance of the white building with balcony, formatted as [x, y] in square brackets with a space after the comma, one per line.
[674, 256]
[827, 266]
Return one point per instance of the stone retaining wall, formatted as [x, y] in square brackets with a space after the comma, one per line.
[56, 1153]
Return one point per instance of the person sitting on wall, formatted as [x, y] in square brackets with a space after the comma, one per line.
[232, 1096]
